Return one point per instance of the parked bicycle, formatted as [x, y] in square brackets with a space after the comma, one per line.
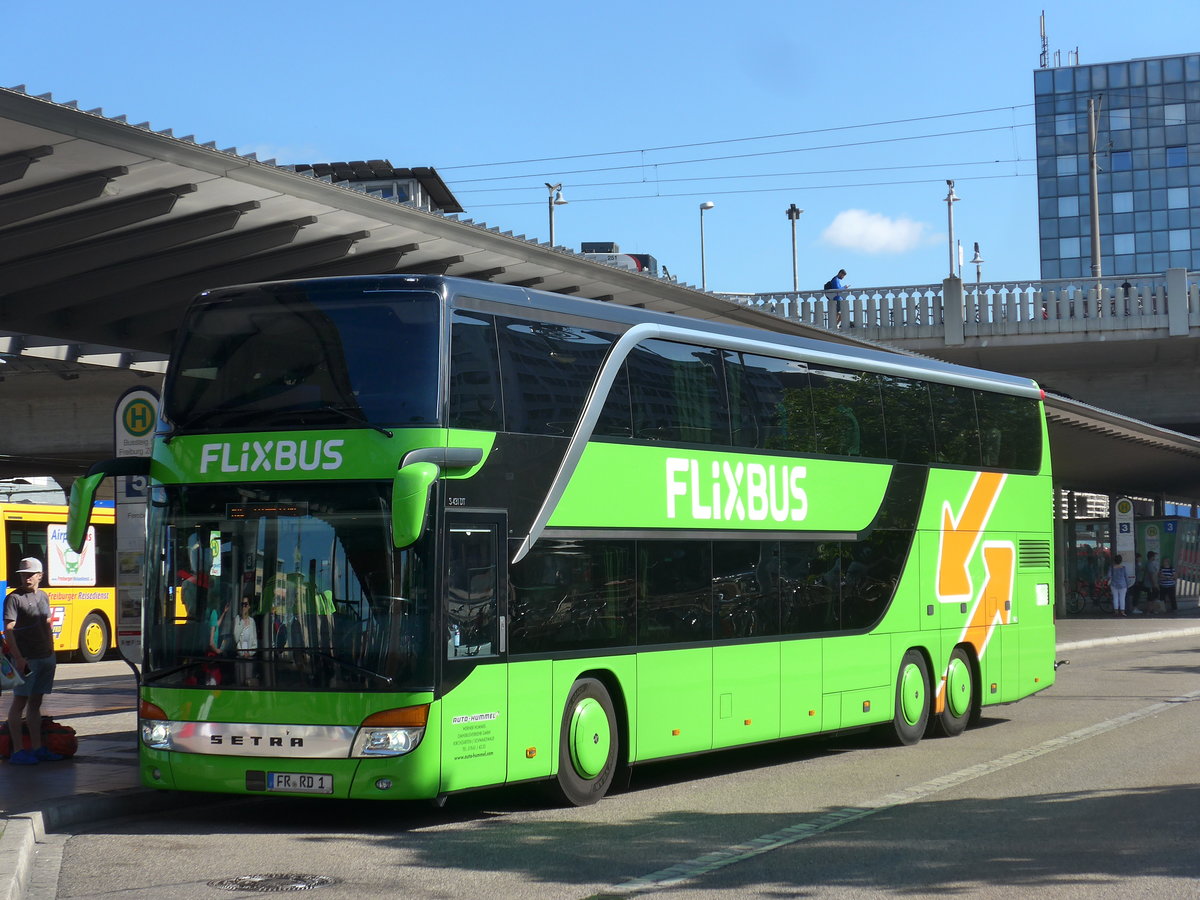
[1095, 594]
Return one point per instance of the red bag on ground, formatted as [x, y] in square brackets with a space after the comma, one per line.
[56, 737]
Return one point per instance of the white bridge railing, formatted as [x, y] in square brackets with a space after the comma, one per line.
[1118, 303]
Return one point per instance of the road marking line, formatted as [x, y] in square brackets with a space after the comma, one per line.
[679, 873]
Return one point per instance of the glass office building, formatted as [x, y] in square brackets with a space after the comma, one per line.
[1148, 149]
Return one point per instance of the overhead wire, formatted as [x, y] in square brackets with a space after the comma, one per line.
[764, 137]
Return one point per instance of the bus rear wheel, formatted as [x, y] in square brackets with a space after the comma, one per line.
[93, 638]
[911, 717]
[960, 695]
[587, 745]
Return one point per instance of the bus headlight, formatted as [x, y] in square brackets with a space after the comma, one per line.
[387, 741]
[156, 735]
[156, 729]
[392, 732]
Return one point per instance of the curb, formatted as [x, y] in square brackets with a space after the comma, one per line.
[17, 848]
[1128, 638]
[22, 832]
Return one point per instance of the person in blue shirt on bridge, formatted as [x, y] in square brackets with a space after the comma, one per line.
[837, 285]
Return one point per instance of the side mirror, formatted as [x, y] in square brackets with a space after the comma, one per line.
[83, 494]
[410, 501]
[79, 509]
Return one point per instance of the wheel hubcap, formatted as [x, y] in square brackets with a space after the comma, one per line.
[912, 694]
[590, 738]
[958, 688]
[92, 639]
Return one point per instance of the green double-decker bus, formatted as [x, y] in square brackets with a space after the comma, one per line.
[415, 535]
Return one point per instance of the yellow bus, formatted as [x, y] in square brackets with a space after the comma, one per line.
[81, 585]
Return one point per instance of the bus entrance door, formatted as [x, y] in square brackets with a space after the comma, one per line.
[474, 707]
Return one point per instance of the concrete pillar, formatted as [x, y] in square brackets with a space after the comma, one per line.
[1177, 302]
[952, 311]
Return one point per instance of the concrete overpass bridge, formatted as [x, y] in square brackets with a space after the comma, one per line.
[1128, 345]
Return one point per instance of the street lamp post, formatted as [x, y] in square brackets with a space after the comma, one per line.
[555, 199]
[707, 204]
[793, 213]
[950, 201]
[978, 262]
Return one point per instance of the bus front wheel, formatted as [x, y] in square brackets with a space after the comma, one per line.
[911, 717]
[587, 746]
[93, 638]
[960, 695]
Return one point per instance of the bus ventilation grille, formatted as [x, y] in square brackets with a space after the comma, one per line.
[1034, 554]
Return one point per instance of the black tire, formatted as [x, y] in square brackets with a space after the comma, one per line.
[587, 745]
[911, 718]
[960, 696]
[93, 638]
[1075, 602]
[1105, 602]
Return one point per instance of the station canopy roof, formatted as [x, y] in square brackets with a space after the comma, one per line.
[108, 228]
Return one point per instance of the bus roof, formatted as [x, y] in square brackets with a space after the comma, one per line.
[528, 301]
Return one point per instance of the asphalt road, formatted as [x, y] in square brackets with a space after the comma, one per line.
[1087, 790]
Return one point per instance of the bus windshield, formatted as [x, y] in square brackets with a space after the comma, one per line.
[282, 588]
[281, 356]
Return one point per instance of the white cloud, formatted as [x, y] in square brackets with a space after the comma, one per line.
[868, 232]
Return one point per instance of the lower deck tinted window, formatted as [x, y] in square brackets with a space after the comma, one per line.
[567, 595]
[674, 592]
[579, 595]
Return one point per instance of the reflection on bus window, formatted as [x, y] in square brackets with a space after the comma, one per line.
[333, 604]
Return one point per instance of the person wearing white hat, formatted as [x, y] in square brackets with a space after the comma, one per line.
[31, 642]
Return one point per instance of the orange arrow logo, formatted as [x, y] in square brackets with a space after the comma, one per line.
[960, 536]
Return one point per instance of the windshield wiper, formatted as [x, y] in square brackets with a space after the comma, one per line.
[352, 417]
[237, 414]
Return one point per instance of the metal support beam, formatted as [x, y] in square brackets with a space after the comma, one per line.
[105, 252]
[58, 231]
[13, 166]
[57, 195]
[486, 274]
[72, 292]
[434, 266]
[381, 262]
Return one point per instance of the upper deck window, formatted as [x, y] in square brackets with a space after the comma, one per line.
[305, 356]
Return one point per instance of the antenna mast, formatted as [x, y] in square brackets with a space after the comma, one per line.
[1045, 58]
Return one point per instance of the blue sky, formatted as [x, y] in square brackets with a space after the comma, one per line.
[753, 106]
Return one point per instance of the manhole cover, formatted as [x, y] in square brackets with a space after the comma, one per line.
[272, 884]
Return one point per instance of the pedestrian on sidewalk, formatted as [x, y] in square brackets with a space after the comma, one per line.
[1118, 582]
[1153, 603]
[1133, 598]
[1166, 585]
[31, 642]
